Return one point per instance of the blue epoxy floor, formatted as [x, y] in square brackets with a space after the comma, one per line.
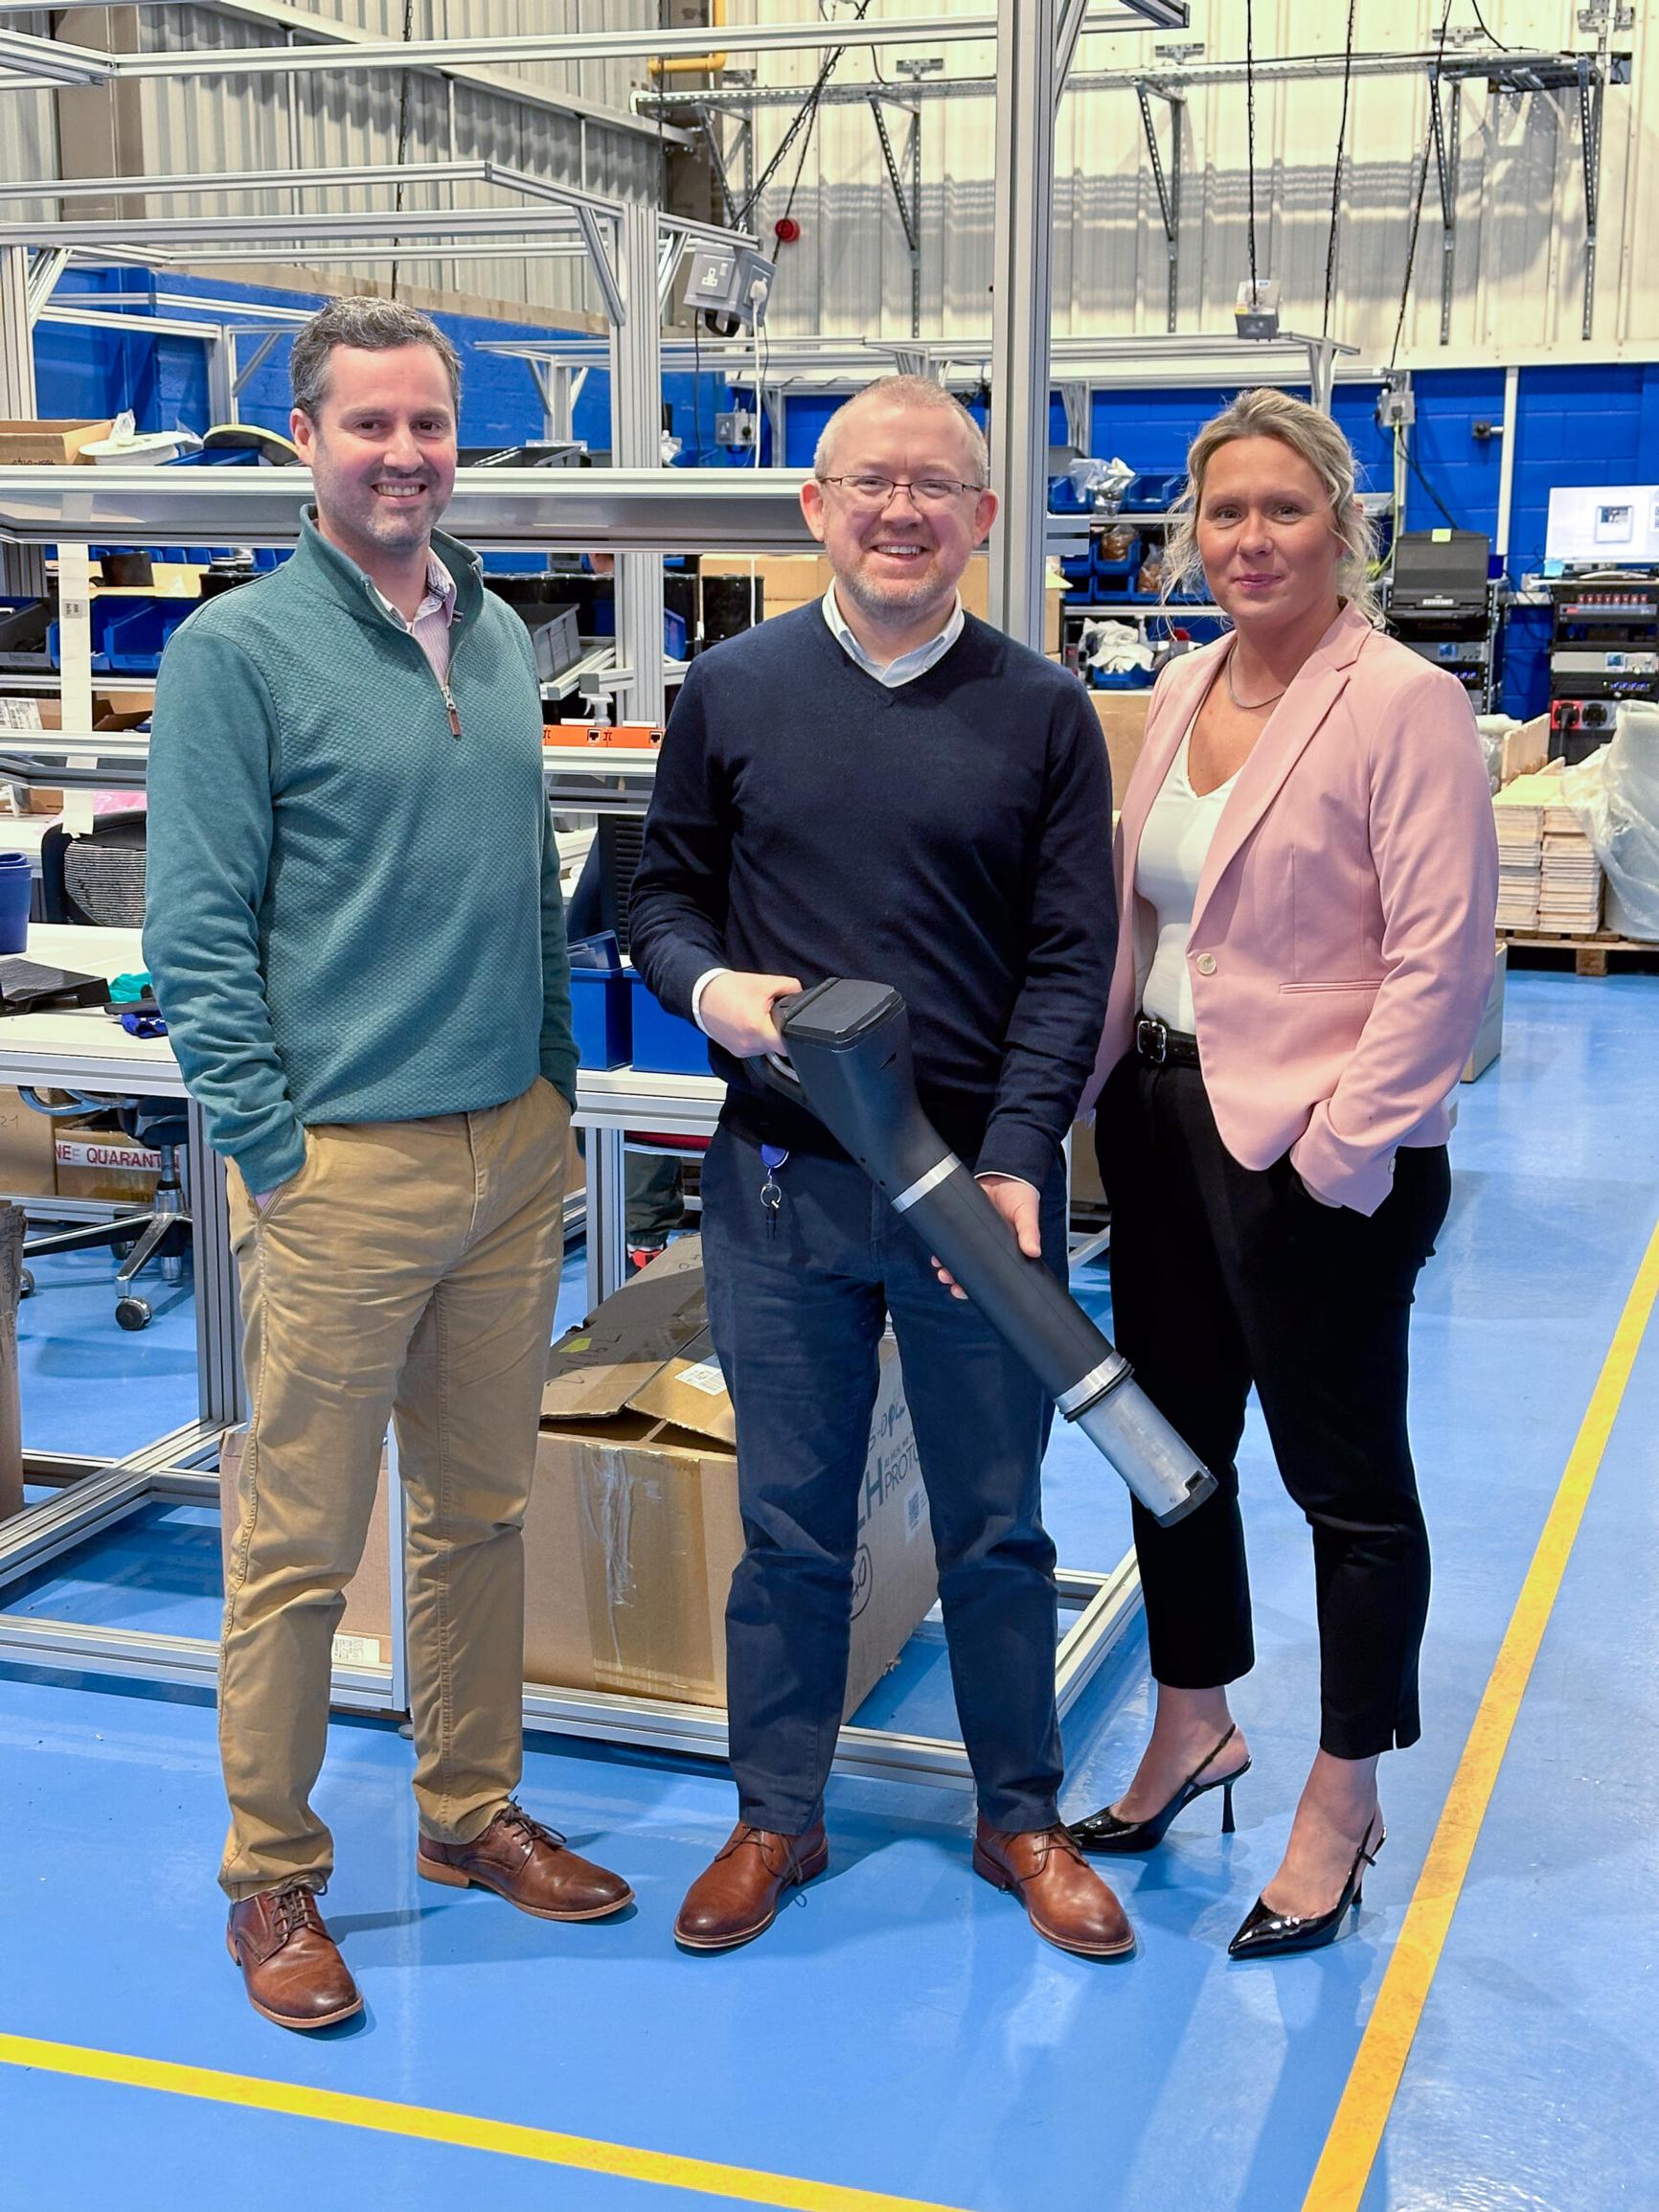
[901, 2030]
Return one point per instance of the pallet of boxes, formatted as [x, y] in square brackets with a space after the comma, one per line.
[1550, 882]
[633, 1528]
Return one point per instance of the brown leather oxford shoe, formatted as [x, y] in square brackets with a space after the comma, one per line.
[737, 1896]
[291, 1967]
[529, 1865]
[1066, 1900]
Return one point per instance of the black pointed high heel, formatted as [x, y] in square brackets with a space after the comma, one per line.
[1105, 1831]
[1269, 1934]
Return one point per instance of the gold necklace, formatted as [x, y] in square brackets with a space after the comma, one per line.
[1249, 706]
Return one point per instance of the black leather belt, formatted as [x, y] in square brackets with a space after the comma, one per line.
[1161, 1046]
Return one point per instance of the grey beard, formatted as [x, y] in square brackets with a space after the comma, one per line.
[883, 604]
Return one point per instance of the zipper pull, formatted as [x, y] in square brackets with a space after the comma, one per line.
[454, 711]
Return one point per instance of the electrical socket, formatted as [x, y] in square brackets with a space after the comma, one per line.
[736, 428]
[1395, 405]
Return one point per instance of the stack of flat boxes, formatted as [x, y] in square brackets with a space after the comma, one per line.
[1549, 878]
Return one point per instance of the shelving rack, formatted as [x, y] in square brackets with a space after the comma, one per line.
[638, 509]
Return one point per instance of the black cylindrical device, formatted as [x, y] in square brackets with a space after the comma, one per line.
[849, 1063]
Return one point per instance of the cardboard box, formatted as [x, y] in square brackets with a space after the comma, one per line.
[1087, 1188]
[26, 1150]
[793, 580]
[638, 1437]
[104, 1163]
[1122, 721]
[364, 1636]
[633, 1528]
[1489, 1036]
[46, 445]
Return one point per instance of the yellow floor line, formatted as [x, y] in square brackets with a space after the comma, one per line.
[736, 2184]
[1351, 2148]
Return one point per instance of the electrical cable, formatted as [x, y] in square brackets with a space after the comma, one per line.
[1422, 184]
[1250, 129]
[1336, 171]
[402, 121]
[803, 115]
[1482, 21]
[1415, 468]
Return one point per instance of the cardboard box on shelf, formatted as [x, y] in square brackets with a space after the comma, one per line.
[46, 445]
[1122, 721]
[104, 1163]
[795, 579]
[27, 1168]
[633, 1528]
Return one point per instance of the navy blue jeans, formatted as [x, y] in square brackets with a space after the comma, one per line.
[797, 1312]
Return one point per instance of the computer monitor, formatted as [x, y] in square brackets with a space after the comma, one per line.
[1607, 525]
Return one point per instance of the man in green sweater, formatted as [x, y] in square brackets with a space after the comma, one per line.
[355, 929]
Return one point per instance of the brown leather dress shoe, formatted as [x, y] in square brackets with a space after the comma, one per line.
[529, 1865]
[737, 1896]
[293, 1971]
[1067, 1901]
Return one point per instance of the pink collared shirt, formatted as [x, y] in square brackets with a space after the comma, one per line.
[430, 628]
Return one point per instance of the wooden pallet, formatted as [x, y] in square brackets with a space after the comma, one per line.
[1592, 955]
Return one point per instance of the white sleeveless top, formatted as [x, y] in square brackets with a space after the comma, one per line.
[1174, 845]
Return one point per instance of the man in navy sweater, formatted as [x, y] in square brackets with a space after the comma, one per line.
[881, 786]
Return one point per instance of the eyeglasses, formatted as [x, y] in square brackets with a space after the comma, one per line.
[925, 492]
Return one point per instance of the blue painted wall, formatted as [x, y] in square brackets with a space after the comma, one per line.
[1575, 425]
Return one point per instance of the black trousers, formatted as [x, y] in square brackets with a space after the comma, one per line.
[797, 1312]
[1224, 1276]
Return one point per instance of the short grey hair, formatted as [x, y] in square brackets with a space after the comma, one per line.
[906, 391]
[1267, 413]
[376, 326]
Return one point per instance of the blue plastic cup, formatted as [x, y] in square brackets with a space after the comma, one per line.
[16, 889]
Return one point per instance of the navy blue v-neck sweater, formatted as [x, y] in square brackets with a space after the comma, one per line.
[951, 837]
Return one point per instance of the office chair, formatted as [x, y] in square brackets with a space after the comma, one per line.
[99, 880]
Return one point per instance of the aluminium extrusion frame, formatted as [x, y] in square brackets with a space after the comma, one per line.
[44, 60]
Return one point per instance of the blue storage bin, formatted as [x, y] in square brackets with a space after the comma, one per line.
[1120, 680]
[127, 634]
[663, 1043]
[675, 635]
[1077, 567]
[1158, 491]
[1111, 571]
[601, 1003]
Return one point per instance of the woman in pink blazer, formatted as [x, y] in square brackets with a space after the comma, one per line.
[1308, 876]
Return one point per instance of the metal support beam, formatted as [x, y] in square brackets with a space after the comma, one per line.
[913, 150]
[1592, 94]
[22, 569]
[889, 161]
[246, 369]
[1022, 307]
[705, 116]
[636, 443]
[1169, 189]
[1448, 134]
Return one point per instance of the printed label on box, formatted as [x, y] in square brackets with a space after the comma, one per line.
[356, 1650]
[706, 1377]
[106, 1152]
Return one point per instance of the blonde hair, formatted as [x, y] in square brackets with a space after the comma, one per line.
[906, 391]
[1267, 413]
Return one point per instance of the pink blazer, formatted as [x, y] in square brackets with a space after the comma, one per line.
[1342, 944]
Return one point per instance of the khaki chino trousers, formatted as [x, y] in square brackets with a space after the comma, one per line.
[408, 1272]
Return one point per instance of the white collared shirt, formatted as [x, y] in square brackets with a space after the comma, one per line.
[430, 628]
[909, 665]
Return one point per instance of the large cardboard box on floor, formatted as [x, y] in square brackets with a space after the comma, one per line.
[633, 1528]
[637, 1429]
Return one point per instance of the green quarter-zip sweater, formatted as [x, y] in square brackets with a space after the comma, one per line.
[353, 913]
